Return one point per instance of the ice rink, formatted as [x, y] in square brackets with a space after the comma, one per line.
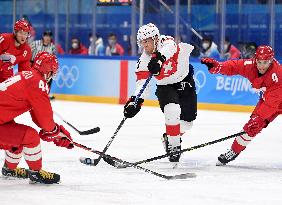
[253, 178]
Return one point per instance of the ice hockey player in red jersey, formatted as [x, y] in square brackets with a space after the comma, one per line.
[169, 63]
[265, 74]
[14, 49]
[28, 91]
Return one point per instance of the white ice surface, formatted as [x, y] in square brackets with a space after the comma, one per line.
[253, 178]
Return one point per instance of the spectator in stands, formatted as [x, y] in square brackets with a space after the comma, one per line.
[96, 47]
[230, 51]
[60, 50]
[209, 48]
[77, 47]
[114, 48]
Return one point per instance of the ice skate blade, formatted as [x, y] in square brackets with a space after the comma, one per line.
[38, 183]
[11, 178]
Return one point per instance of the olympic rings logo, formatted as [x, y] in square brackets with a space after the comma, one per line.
[67, 76]
[200, 80]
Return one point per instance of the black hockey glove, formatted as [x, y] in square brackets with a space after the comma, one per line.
[155, 64]
[130, 110]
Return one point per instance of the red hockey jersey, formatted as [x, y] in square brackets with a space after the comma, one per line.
[270, 82]
[26, 91]
[22, 53]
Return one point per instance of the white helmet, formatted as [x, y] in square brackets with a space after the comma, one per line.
[147, 31]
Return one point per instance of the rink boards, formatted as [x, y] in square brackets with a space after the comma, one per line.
[112, 80]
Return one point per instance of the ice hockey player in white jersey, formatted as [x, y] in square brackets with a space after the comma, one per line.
[169, 64]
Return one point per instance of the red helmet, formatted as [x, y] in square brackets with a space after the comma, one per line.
[264, 53]
[22, 25]
[45, 63]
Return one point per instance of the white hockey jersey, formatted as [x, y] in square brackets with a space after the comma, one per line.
[174, 69]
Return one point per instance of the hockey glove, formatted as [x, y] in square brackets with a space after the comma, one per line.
[130, 109]
[6, 70]
[213, 65]
[8, 58]
[254, 125]
[60, 136]
[257, 83]
[155, 64]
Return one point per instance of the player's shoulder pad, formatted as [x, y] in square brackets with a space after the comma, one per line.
[28, 76]
[247, 62]
[35, 81]
[186, 47]
[5, 38]
[7, 35]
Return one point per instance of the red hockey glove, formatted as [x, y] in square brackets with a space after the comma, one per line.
[60, 136]
[254, 125]
[257, 83]
[6, 70]
[213, 65]
[155, 64]
[130, 110]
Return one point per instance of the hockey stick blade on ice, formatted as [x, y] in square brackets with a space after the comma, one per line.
[96, 161]
[168, 177]
[120, 165]
[86, 132]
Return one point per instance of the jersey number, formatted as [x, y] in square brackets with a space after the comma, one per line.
[43, 86]
[24, 53]
[274, 77]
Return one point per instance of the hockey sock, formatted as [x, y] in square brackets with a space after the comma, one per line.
[241, 142]
[32, 149]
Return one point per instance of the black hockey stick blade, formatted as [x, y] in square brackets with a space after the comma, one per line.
[92, 162]
[89, 132]
[114, 163]
[86, 132]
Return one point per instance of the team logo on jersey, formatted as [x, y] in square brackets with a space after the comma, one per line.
[200, 80]
[67, 76]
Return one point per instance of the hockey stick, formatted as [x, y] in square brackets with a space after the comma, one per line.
[96, 161]
[179, 176]
[86, 132]
[117, 165]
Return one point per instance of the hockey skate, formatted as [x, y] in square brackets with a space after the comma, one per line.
[172, 145]
[227, 157]
[43, 177]
[19, 172]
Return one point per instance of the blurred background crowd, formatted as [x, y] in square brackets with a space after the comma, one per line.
[221, 29]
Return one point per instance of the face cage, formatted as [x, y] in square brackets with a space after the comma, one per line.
[28, 35]
[154, 39]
